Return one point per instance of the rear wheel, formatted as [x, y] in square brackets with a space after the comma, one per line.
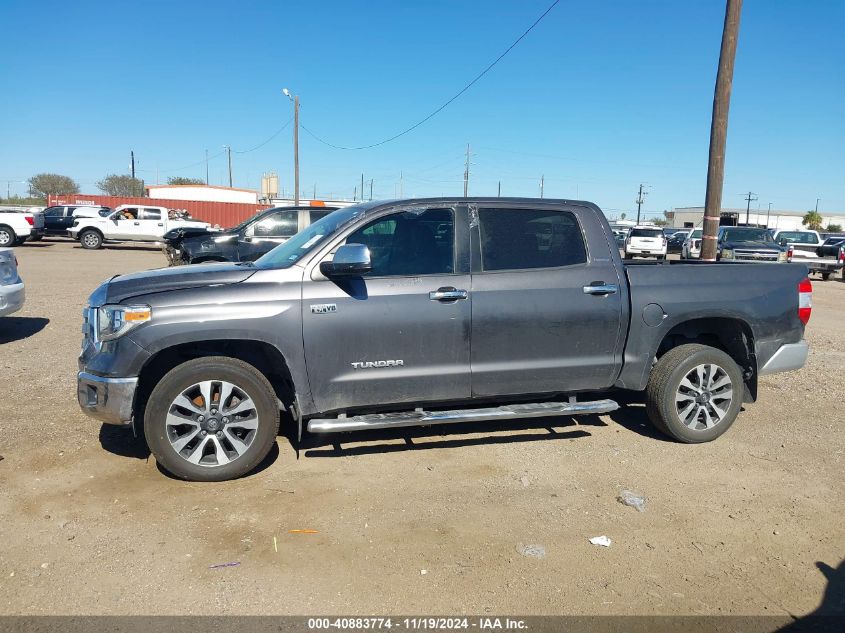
[91, 239]
[7, 236]
[211, 419]
[694, 393]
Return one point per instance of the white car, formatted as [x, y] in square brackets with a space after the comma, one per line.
[645, 241]
[16, 227]
[128, 223]
[802, 243]
[692, 245]
[12, 292]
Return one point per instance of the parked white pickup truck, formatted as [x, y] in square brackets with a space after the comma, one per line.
[16, 226]
[128, 223]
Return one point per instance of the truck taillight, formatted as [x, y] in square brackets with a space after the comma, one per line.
[842, 254]
[789, 252]
[805, 300]
[30, 219]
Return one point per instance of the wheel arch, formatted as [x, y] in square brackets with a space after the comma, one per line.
[732, 335]
[264, 356]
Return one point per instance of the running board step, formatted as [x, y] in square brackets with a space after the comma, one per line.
[419, 417]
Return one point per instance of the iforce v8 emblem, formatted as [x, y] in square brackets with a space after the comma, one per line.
[323, 308]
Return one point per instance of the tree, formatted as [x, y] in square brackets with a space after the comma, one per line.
[181, 180]
[116, 185]
[661, 222]
[43, 185]
[834, 228]
[623, 216]
[812, 220]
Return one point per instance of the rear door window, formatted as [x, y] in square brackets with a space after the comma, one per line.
[279, 224]
[519, 239]
[151, 214]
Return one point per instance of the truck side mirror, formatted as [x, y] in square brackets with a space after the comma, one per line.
[350, 260]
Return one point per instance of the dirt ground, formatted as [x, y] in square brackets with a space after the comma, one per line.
[429, 521]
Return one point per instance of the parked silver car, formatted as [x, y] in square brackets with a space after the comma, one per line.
[12, 292]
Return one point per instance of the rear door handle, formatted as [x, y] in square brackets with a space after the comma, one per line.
[601, 289]
[447, 293]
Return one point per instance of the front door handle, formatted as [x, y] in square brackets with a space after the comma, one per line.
[137, 223]
[161, 223]
[447, 293]
[601, 288]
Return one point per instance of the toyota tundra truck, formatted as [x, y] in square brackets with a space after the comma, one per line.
[431, 311]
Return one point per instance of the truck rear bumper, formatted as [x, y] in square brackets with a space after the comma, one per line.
[789, 357]
[11, 298]
[109, 400]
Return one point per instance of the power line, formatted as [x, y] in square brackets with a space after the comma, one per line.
[447, 103]
[260, 145]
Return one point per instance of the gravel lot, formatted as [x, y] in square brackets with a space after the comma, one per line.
[417, 521]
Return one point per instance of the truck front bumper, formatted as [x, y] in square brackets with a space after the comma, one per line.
[109, 400]
[789, 357]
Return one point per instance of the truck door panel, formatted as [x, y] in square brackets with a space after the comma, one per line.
[538, 324]
[383, 338]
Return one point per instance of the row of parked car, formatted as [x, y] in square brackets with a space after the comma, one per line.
[823, 253]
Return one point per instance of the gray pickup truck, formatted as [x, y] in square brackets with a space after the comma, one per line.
[431, 311]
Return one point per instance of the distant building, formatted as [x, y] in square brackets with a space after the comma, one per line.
[205, 193]
[690, 217]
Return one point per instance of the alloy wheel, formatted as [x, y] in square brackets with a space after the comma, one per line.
[704, 397]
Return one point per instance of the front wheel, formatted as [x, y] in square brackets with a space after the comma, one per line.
[91, 239]
[211, 419]
[7, 236]
[694, 393]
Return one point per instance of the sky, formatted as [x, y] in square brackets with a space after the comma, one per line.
[598, 98]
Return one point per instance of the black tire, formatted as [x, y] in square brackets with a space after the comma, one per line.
[245, 378]
[20, 241]
[627, 256]
[91, 239]
[36, 238]
[664, 386]
[7, 236]
[826, 276]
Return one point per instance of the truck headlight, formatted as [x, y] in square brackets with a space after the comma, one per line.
[113, 321]
[782, 256]
[727, 253]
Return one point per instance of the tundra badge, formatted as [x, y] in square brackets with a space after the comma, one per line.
[323, 308]
[372, 364]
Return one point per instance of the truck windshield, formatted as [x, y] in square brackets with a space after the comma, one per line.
[287, 254]
[747, 235]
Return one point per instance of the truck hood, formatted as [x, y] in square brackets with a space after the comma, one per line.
[124, 287]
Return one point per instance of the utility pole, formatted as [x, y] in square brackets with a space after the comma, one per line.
[314, 197]
[229, 151]
[499, 195]
[750, 197]
[295, 99]
[296, 150]
[132, 163]
[466, 174]
[401, 186]
[542, 178]
[355, 194]
[206, 167]
[719, 131]
[817, 204]
[371, 188]
[640, 201]
[768, 213]
[362, 187]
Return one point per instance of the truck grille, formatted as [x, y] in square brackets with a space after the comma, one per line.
[756, 256]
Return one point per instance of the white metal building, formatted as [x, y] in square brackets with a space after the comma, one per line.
[205, 193]
[688, 217]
